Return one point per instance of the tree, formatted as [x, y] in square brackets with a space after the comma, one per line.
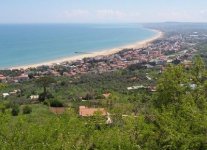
[15, 110]
[171, 86]
[180, 109]
[56, 103]
[45, 82]
[198, 70]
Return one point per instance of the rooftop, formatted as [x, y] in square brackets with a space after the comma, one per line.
[85, 111]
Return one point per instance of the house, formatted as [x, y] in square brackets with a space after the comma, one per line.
[34, 97]
[187, 63]
[5, 95]
[109, 120]
[2, 77]
[57, 110]
[152, 88]
[13, 93]
[22, 77]
[85, 111]
[149, 78]
[193, 86]
[148, 66]
[136, 87]
[106, 95]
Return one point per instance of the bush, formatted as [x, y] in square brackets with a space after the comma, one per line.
[2, 108]
[44, 96]
[27, 109]
[20, 101]
[9, 104]
[47, 102]
[63, 83]
[88, 96]
[15, 110]
[56, 103]
[99, 96]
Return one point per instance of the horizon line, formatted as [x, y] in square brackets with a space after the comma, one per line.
[19, 23]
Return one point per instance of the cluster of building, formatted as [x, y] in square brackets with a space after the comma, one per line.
[158, 53]
[14, 92]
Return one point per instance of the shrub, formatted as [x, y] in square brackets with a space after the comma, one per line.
[88, 96]
[56, 103]
[15, 110]
[44, 96]
[2, 108]
[9, 104]
[99, 96]
[27, 109]
[63, 83]
[20, 101]
[47, 102]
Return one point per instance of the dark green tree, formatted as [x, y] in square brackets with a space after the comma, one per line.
[198, 70]
[171, 86]
[15, 110]
[45, 83]
[181, 108]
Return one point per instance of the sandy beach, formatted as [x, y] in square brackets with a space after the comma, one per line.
[136, 45]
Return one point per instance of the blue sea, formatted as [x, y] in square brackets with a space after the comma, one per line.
[34, 43]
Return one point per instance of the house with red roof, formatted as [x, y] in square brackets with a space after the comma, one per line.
[2, 77]
[85, 111]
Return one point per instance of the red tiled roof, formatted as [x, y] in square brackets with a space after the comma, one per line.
[106, 95]
[1, 75]
[57, 110]
[85, 111]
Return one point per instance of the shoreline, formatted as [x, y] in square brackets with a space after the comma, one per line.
[136, 45]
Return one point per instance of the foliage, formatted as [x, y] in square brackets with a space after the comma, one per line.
[2, 85]
[181, 114]
[44, 96]
[2, 108]
[45, 82]
[171, 86]
[15, 110]
[27, 109]
[56, 103]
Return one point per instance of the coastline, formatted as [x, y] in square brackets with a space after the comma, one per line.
[140, 44]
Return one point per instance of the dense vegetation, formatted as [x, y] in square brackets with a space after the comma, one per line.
[174, 117]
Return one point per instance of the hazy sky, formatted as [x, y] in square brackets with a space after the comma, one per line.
[101, 11]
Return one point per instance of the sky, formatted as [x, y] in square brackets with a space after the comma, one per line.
[102, 11]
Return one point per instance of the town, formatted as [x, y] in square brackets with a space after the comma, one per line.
[171, 48]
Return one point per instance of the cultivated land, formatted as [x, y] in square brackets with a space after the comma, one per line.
[152, 97]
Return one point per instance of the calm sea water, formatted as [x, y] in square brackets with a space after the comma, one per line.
[28, 44]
